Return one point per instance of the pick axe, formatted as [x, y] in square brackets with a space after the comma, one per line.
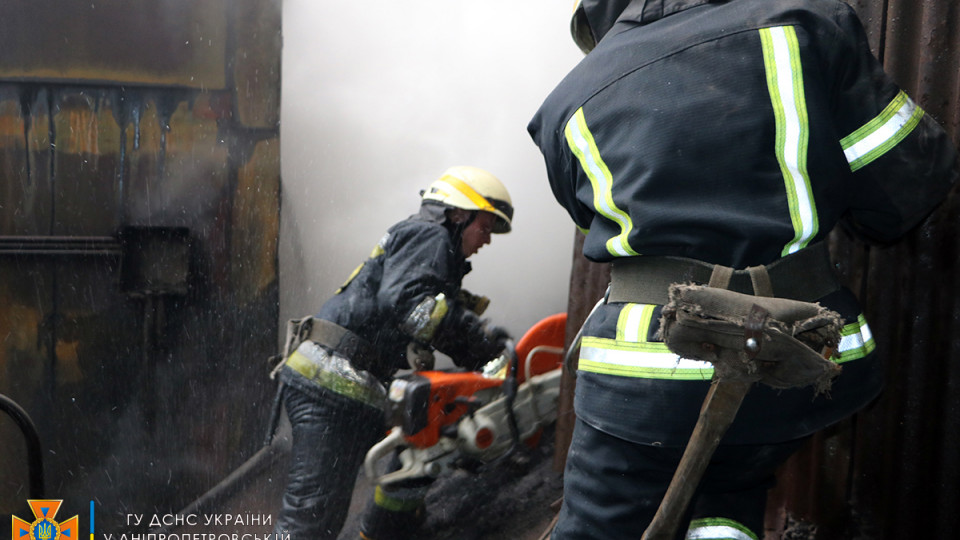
[779, 342]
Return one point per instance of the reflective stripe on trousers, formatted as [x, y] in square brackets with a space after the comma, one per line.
[718, 529]
[335, 373]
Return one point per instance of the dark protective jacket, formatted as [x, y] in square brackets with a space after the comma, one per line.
[334, 390]
[416, 259]
[736, 133]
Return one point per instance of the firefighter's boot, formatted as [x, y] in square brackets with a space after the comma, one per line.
[393, 515]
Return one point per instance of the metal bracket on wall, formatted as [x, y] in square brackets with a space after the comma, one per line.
[155, 266]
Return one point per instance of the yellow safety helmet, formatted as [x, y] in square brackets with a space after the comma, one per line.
[471, 188]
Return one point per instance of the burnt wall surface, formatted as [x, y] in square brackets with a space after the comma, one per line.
[891, 471]
[139, 215]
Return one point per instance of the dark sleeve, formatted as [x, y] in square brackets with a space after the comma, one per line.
[562, 167]
[464, 338]
[903, 163]
[419, 265]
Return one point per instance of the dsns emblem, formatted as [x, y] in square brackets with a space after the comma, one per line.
[45, 526]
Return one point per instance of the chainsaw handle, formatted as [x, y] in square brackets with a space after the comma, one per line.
[383, 448]
[527, 369]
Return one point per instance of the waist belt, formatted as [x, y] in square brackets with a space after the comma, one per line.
[342, 341]
[333, 372]
[806, 275]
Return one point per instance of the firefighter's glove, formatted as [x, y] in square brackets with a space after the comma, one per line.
[469, 341]
[499, 336]
[419, 356]
[474, 302]
[494, 342]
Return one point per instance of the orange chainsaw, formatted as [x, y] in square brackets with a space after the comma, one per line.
[444, 420]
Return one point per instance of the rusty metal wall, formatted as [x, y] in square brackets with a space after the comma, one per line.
[892, 471]
[139, 216]
[588, 282]
[152, 43]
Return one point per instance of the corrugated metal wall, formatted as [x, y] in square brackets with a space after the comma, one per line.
[892, 471]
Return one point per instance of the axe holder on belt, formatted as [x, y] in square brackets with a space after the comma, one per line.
[758, 324]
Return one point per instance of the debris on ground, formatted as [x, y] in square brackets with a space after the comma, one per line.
[799, 530]
[501, 501]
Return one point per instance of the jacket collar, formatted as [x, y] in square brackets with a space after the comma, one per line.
[602, 14]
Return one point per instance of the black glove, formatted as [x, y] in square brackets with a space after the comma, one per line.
[474, 302]
[498, 337]
[492, 342]
[468, 340]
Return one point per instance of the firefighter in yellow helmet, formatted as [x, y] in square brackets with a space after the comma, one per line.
[470, 188]
[401, 304]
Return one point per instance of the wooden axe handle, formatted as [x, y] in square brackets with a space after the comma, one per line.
[718, 411]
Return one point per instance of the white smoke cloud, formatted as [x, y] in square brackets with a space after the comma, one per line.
[379, 98]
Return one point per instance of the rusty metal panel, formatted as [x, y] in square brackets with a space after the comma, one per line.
[146, 392]
[152, 42]
[256, 70]
[83, 137]
[25, 193]
[588, 282]
[894, 468]
[257, 198]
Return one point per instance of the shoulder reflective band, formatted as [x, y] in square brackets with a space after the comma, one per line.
[585, 148]
[718, 529]
[468, 192]
[882, 133]
[653, 360]
[781, 57]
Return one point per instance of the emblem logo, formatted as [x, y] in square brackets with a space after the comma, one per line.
[45, 526]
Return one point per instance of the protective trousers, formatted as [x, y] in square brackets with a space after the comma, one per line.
[613, 487]
[396, 511]
[331, 434]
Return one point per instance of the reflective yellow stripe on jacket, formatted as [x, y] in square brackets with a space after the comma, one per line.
[632, 355]
[781, 56]
[882, 133]
[583, 145]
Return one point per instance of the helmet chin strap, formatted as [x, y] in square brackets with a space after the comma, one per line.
[473, 216]
[456, 229]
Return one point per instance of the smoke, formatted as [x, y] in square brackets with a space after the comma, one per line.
[379, 98]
